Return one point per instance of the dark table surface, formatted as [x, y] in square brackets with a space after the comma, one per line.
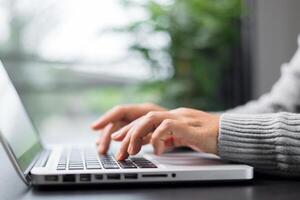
[262, 187]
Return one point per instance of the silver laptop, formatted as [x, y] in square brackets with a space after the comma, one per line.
[38, 165]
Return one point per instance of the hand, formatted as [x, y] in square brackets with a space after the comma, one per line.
[117, 118]
[165, 129]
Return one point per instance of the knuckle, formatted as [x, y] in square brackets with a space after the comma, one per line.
[118, 107]
[107, 134]
[135, 135]
[125, 142]
[181, 109]
[151, 115]
[155, 138]
[167, 123]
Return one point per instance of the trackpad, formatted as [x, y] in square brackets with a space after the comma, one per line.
[187, 159]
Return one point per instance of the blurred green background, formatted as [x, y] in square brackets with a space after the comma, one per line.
[201, 36]
[73, 60]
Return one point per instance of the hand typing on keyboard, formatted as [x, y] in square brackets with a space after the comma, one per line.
[116, 119]
[137, 125]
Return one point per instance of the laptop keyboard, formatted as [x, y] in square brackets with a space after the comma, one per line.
[79, 159]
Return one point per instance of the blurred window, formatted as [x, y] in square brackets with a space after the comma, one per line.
[67, 63]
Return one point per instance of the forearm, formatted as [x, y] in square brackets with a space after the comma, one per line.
[269, 142]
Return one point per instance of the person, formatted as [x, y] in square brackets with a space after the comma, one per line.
[264, 133]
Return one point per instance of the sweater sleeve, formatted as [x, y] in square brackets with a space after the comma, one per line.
[269, 142]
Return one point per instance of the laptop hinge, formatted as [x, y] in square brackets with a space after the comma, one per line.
[28, 178]
[34, 161]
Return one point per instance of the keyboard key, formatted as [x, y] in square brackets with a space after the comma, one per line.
[126, 164]
[79, 164]
[75, 163]
[106, 166]
[61, 168]
[108, 162]
[75, 168]
[93, 167]
[93, 161]
[147, 166]
[143, 162]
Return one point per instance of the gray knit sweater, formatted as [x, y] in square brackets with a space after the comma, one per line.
[265, 133]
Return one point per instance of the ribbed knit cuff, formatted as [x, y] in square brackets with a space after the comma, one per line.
[269, 142]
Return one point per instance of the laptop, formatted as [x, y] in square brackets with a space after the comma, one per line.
[39, 165]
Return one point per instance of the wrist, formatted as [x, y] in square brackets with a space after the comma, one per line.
[212, 140]
[216, 133]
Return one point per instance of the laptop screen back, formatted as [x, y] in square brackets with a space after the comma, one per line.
[15, 125]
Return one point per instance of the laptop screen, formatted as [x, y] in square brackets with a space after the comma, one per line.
[15, 125]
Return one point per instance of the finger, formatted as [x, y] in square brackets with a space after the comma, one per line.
[179, 142]
[195, 148]
[145, 126]
[104, 141]
[162, 146]
[119, 125]
[167, 129]
[120, 134]
[116, 114]
[147, 139]
[97, 141]
[169, 144]
[122, 153]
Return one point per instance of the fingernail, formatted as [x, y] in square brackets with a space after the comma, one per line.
[118, 155]
[130, 150]
[93, 125]
[99, 149]
[102, 150]
[159, 149]
[115, 135]
[158, 152]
